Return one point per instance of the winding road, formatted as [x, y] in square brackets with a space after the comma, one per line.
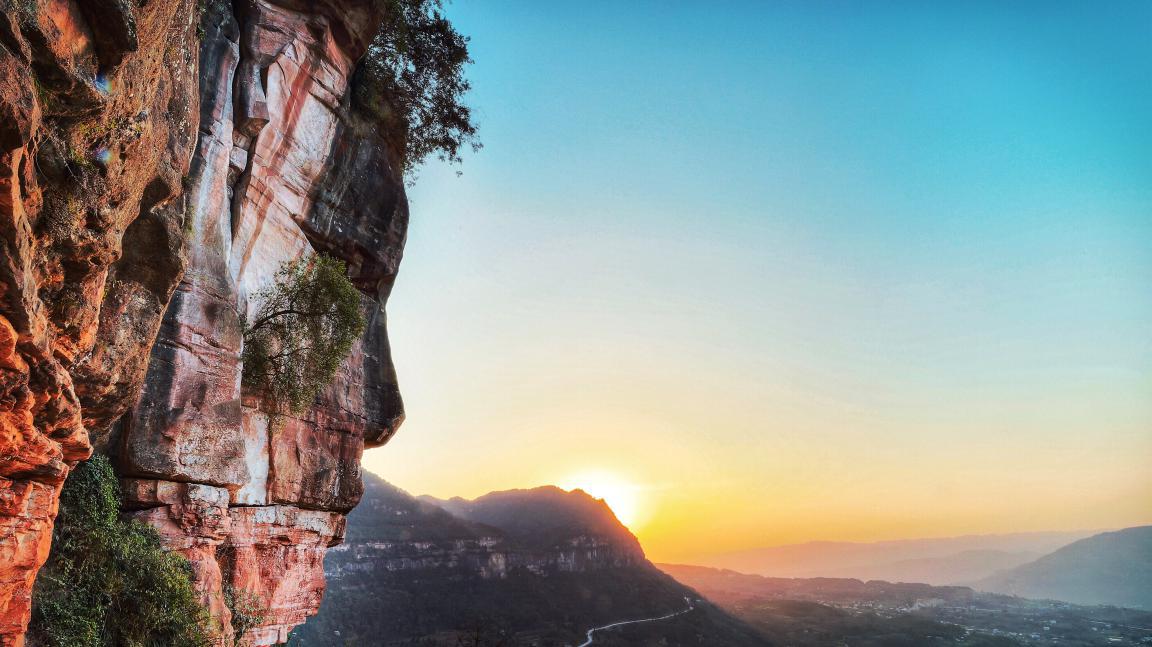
[632, 622]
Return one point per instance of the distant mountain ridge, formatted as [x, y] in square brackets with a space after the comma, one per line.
[543, 517]
[516, 568]
[387, 512]
[1113, 568]
[957, 568]
[937, 561]
[726, 585]
[543, 529]
[817, 612]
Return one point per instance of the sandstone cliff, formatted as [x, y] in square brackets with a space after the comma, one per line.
[159, 162]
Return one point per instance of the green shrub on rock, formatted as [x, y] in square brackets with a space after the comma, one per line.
[107, 582]
[248, 612]
[309, 318]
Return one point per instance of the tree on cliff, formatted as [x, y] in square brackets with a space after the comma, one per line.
[412, 83]
[309, 318]
[108, 582]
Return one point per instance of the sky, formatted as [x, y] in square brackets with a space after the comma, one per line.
[773, 272]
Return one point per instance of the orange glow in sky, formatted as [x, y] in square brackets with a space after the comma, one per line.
[789, 273]
[626, 499]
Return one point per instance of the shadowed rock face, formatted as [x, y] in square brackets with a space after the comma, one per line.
[158, 164]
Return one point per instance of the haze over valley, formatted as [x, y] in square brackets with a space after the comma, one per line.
[544, 566]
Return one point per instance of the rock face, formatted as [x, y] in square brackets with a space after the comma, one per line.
[97, 123]
[160, 161]
[284, 167]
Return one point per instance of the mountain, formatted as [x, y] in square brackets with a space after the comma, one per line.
[387, 513]
[523, 567]
[940, 561]
[956, 568]
[1112, 568]
[544, 516]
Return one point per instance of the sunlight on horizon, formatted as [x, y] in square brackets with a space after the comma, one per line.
[624, 498]
[850, 275]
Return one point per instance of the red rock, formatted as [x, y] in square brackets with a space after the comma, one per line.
[276, 554]
[193, 520]
[156, 213]
[27, 510]
[78, 316]
[282, 160]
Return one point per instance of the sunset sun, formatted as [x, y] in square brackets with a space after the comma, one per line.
[622, 496]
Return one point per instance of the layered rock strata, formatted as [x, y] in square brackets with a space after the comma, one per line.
[97, 123]
[484, 557]
[160, 162]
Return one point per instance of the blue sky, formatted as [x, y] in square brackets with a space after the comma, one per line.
[818, 250]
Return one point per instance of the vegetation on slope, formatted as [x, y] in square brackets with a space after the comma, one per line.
[107, 582]
[248, 612]
[446, 606]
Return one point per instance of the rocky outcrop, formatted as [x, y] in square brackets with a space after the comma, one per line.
[284, 167]
[97, 122]
[158, 163]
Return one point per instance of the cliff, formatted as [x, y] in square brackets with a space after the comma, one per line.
[160, 161]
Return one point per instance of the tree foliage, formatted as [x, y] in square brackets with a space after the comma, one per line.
[248, 612]
[107, 582]
[412, 82]
[309, 318]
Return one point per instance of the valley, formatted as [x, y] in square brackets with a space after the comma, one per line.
[536, 567]
[821, 611]
[546, 567]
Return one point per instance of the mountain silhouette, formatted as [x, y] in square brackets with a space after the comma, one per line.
[1113, 568]
[521, 567]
